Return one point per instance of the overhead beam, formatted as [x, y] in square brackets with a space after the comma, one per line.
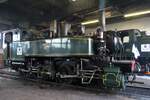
[56, 3]
[5, 22]
[81, 5]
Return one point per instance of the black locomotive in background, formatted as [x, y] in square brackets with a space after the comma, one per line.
[109, 61]
[137, 43]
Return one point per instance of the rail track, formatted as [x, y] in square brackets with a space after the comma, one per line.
[45, 84]
[136, 90]
[130, 90]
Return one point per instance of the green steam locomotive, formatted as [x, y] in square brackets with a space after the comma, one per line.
[68, 59]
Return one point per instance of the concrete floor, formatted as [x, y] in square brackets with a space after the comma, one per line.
[142, 79]
[17, 90]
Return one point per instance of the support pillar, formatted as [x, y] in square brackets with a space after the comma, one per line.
[102, 17]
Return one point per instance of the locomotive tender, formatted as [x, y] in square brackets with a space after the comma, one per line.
[69, 58]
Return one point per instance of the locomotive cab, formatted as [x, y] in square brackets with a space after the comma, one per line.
[9, 37]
